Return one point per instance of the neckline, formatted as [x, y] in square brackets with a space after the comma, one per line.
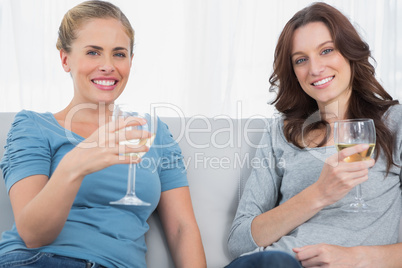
[60, 126]
[282, 134]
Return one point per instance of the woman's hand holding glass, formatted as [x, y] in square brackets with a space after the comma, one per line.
[339, 177]
[103, 147]
[348, 133]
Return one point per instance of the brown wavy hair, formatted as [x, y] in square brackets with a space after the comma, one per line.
[368, 98]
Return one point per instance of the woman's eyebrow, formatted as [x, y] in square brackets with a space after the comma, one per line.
[101, 48]
[320, 45]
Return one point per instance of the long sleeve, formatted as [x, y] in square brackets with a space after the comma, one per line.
[261, 194]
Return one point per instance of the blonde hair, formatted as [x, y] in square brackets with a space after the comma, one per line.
[85, 11]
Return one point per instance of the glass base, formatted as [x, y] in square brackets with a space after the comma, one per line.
[130, 201]
[358, 207]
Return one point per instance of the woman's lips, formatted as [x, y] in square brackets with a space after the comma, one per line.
[105, 84]
[323, 81]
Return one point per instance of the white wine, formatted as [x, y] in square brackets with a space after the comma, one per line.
[365, 155]
[139, 142]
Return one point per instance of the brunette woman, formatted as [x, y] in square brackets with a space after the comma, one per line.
[291, 214]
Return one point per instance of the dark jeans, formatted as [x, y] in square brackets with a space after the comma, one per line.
[265, 259]
[27, 258]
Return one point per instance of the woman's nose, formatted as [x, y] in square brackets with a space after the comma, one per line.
[316, 66]
[106, 66]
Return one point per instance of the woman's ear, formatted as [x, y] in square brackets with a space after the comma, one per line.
[131, 60]
[64, 60]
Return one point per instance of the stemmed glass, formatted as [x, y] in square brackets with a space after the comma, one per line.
[348, 133]
[124, 111]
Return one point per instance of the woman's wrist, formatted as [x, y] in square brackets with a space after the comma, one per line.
[71, 170]
[366, 256]
[317, 198]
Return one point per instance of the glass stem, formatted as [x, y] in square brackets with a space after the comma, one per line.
[131, 179]
[358, 196]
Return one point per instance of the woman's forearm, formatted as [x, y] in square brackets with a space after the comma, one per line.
[337, 178]
[386, 256]
[41, 214]
[41, 205]
[181, 229]
[189, 251]
[270, 226]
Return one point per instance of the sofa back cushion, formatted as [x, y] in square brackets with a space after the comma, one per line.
[7, 216]
[217, 152]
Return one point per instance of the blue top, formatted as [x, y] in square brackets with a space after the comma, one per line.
[110, 235]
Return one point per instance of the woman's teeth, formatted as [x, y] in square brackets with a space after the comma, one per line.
[105, 82]
[323, 81]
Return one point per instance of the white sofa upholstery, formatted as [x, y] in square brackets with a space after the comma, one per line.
[218, 153]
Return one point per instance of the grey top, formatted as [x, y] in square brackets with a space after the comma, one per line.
[285, 170]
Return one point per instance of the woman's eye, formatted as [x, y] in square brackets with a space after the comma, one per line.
[121, 55]
[328, 50]
[298, 61]
[93, 53]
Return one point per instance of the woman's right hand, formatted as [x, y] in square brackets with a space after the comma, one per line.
[102, 148]
[41, 205]
[338, 177]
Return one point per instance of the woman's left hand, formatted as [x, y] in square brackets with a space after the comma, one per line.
[325, 255]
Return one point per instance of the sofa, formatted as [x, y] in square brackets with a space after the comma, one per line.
[218, 154]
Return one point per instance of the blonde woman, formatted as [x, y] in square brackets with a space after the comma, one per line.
[60, 191]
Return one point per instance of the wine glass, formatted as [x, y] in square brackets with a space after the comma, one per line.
[348, 133]
[124, 111]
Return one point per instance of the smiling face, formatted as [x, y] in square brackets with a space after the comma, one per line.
[99, 61]
[323, 73]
